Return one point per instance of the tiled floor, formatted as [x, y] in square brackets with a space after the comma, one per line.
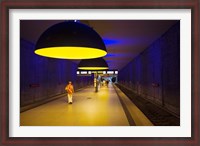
[88, 109]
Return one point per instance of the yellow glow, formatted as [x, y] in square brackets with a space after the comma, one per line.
[93, 68]
[71, 52]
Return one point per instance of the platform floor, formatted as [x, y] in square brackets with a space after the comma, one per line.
[88, 109]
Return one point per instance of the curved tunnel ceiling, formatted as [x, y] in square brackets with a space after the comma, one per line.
[124, 39]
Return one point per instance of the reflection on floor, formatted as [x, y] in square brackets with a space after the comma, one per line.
[88, 109]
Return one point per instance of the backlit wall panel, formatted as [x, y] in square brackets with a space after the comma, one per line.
[155, 73]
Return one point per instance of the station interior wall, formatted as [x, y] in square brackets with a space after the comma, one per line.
[155, 73]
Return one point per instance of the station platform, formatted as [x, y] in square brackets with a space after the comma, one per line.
[107, 107]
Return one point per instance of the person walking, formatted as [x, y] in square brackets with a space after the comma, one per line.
[70, 90]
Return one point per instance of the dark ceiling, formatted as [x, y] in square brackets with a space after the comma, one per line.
[124, 39]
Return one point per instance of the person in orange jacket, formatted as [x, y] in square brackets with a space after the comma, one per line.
[70, 90]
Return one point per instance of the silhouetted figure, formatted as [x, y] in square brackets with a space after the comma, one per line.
[70, 90]
[107, 82]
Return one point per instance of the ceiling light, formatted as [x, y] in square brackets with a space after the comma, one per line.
[93, 64]
[70, 40]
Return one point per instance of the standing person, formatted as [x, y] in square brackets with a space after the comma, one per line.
[70, 90]
[107, 81]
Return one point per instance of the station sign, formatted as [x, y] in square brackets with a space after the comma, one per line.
[89, 72]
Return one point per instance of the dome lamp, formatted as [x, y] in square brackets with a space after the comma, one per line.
[93, 64]
[70, 40]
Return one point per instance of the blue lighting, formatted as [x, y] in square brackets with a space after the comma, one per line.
[110, 55]
[110, 42]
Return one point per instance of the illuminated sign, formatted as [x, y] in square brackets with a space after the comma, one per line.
[89, 72]
[110, 72]
[83, 72]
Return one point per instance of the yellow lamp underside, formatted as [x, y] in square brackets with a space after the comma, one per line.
[71, 52]
[93, 68]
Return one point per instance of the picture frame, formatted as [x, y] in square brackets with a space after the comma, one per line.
[103, 4]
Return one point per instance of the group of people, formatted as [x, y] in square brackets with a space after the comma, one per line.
[70, 90]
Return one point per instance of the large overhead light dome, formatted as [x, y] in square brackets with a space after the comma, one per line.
[70, 40]
[93, 64]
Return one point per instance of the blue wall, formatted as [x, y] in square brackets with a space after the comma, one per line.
[155, 73]
[42, 78]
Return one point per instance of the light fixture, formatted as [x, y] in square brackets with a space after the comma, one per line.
[93, 64]
[70, 40]
[110, 72]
